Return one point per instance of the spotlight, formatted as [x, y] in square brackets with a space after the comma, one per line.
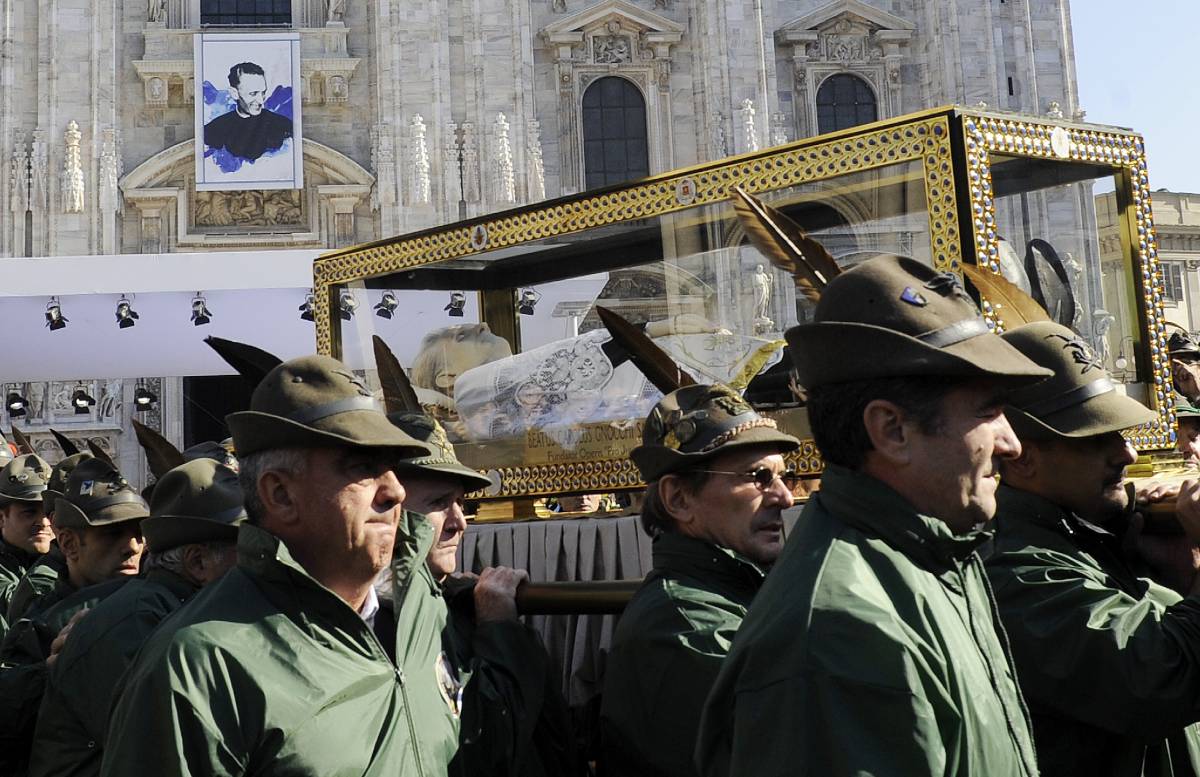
[528, 301]
[201, 315]
[143, 398]
[347, 304]
[82, 401]
[387, 305]
[17, 405]
[306, 310]
[54, 315]
[126, 315]
[458, 301]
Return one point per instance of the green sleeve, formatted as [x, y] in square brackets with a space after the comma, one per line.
[837, 726]
[181, 715]
[660, 675]
[1069, 626]
[21, 689]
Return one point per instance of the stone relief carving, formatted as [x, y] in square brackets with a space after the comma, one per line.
[558, 6]
[533, 155]
[612, 49]
[1054, 110]
[39, 172]
[72, 173]
[716, 139]
[339, 90]
[277, 207]
[779, 133]
[747, 131]
[18, 175]
[111, 168]
[335, 11]
[470, 163]
[451, 165]
[419, 184]
[503, 181]
[383, 160]
[502, 156]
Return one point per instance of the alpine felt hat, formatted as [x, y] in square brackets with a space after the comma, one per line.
[895, 317]
[443, 460]
[1079, 400]
[1180, 343]
[97, 494]
[24, 479]
[1184, 408]
[198, 501]
[315, 402]
[57, 484]
[700, 422]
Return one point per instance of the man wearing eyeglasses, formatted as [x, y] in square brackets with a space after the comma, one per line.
[873, 647]
[717, 489]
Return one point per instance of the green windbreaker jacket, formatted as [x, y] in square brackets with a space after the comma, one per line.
[38, 579]
[666, 652]
[13, 564]
[267, 671]
[872, 648]
[73, 719]
[1109, 661]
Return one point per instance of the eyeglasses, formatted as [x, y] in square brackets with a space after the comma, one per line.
[763, 477]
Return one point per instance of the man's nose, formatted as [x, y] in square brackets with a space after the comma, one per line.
[391, 490]
[1006, 445]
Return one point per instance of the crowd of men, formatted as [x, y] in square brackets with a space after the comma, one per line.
[970, 592]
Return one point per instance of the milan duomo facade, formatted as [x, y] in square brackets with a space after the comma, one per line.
[421, 112]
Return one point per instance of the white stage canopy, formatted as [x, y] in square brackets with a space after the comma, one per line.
[253, 295]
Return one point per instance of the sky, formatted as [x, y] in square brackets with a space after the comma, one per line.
[1144, 74]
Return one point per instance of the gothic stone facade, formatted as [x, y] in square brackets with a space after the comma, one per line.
[419, 112]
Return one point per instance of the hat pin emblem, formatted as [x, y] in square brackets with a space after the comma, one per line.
[913, 297]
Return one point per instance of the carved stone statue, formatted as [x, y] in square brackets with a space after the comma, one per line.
[761, 281]
[335, 11]
[156, 11]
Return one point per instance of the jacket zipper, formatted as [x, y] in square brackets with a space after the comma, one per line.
[412, 731]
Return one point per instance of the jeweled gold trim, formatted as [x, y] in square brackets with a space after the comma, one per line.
[984, 134]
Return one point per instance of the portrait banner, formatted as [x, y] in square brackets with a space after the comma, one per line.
[248, 130]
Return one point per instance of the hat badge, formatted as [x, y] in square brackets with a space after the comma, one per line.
[913, 297]
[948, 284]
[1081, 353]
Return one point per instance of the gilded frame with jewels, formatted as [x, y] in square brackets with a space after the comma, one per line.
[951, 144]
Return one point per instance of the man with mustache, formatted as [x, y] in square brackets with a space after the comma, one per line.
[505, 714]
[717, 489]
[25, 532]
[1108, 658]
[872, 648]
[42, 576]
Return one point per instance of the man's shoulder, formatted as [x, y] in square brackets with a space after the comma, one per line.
[120, 621]
[666, 605]
[276, 121]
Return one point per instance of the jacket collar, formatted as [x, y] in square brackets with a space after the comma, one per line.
[179, 587]
[1016, 504]
[21, 557]
[877, 510]
[679, 554]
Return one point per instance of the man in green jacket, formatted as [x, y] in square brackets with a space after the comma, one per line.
[24, 530]
[717, 489]
[873, 647]
[506, 715]
[190, 542]
[96, 518]
[42, 575]
[1108, 658]
[274, 669]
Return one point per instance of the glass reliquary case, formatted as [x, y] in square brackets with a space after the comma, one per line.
[495, 318]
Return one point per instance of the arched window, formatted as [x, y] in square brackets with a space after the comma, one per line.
[614, 133]
[246, 13]
[844, 101]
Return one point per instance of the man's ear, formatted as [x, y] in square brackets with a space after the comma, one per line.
[68, 543]
[276, 491]
[888, 430]
[675, 499]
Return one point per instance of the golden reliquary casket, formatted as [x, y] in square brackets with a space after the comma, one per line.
[495, 318]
